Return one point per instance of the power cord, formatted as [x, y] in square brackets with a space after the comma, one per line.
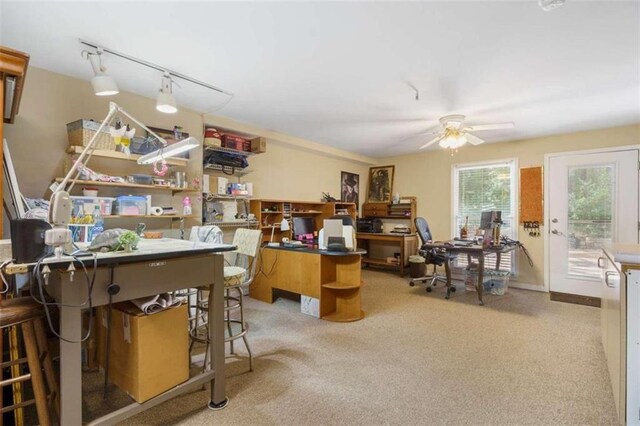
[510, 242]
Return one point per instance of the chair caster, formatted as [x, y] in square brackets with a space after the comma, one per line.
[428, 289]
[453, 289]
[447, 297]
[411, 283]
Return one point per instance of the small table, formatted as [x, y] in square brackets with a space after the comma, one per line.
[407, 245]
[474, 250]
[157, 266]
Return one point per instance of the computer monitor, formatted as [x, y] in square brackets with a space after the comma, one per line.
[489, 218]
[303, 228]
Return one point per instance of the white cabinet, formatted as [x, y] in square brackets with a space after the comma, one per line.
[633, 345]
[613, 329]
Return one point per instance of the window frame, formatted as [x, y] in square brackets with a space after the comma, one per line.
[514, 188]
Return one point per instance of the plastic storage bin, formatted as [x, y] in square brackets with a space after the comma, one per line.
[499, 281]
[87, 205]
[471, 277]
[131, 205]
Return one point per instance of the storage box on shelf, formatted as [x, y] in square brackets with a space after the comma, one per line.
[80, 133]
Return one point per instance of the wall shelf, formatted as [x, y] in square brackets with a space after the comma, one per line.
[122, 156]
[229, 171]
[236, 223]
[164, 216]
[173, 190]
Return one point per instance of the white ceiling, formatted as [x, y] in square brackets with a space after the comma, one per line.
[338, 73]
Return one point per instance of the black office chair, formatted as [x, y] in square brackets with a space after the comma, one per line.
[432, 257]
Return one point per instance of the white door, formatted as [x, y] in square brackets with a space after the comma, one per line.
[593, 202]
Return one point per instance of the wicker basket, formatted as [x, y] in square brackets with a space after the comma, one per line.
[80, 133]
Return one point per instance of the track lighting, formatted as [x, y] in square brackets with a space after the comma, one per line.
[103, 84]
[166, 101]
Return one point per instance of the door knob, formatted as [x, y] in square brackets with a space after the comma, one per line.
[554, 220]
[556, 232]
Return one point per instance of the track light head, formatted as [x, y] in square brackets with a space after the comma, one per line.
[166, 102]
[103, 84]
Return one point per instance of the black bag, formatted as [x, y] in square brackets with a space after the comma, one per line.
[226, 159]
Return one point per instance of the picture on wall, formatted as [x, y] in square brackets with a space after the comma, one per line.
[350, 188]
[380, 184]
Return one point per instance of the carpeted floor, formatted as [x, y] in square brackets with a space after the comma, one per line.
[416, 358]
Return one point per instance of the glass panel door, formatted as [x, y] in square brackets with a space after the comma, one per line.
[591, 191]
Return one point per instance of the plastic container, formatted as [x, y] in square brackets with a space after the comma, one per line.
[89, 192]
[471, 277]
[499, 281]
[131, 205]
[98, 223]
[417, 266]
[141, 179]
[86, 205]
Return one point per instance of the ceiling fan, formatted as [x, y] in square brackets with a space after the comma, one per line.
[455, 133]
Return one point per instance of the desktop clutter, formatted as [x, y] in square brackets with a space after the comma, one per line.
[337, 234]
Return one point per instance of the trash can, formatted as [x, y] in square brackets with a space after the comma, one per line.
[417, 267]
[471, 277]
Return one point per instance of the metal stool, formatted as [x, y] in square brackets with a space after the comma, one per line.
[27, 314]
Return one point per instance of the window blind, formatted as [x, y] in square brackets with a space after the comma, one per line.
[480, 188]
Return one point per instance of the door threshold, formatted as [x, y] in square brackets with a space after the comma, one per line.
[575, 298]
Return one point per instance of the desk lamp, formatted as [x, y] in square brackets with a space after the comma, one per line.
[284, 226]
[60, 202]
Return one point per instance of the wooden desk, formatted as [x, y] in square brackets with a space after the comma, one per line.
[407, 244]
[158, 266]
[331, 277]
[472, 251]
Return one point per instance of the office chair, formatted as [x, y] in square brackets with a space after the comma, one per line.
[433, 257]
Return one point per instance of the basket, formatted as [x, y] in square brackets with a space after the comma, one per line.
[80, 133]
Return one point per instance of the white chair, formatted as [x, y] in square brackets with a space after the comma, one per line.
[238, 275]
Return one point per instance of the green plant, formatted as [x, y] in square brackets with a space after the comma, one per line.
[128, 239]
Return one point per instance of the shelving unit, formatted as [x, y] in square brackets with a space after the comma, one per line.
[116, 155]
[229, 151]
[269, 214]
[173, 190]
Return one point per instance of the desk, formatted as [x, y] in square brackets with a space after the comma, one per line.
[407, 244]
[331, 277]
[472, 251]
[157, 266]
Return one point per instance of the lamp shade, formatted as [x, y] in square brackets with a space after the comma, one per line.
[104, 85]
[170, 150]
[284, 225]
[166, 102]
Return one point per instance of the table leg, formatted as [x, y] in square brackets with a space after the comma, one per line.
[480, 286]
[70, 363]
[447, 270]
[402, 244]
[498, 255]
[219, 398]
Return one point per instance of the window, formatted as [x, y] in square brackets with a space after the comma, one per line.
[482, 187]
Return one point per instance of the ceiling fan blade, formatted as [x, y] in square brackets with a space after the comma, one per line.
[431, 131]
[473, 140]
[432, 141]
[496, 126]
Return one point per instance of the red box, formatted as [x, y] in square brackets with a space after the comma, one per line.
[236, 142]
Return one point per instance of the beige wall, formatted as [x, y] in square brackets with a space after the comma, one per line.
[291, 167]
[428, 176]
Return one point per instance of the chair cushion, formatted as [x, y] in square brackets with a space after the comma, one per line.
[234, 275]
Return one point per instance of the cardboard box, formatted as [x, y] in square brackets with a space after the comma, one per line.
[149, 353]
[222, 185]
[259, 145]
[236, 142]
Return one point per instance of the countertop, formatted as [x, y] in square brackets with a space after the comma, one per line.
[625, 253]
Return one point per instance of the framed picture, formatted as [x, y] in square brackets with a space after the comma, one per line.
[380, 184]
[350, 188]
[169, 136]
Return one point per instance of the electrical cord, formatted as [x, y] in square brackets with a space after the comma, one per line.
[508, 241]
[37, 275]
[273, 267]
[5, 284]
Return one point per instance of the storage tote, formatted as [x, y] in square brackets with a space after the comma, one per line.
[131, 205]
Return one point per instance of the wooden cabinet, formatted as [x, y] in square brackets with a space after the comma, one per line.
[405, 210]
[13, 70]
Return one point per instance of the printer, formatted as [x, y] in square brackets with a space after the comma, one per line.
[369, 225]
